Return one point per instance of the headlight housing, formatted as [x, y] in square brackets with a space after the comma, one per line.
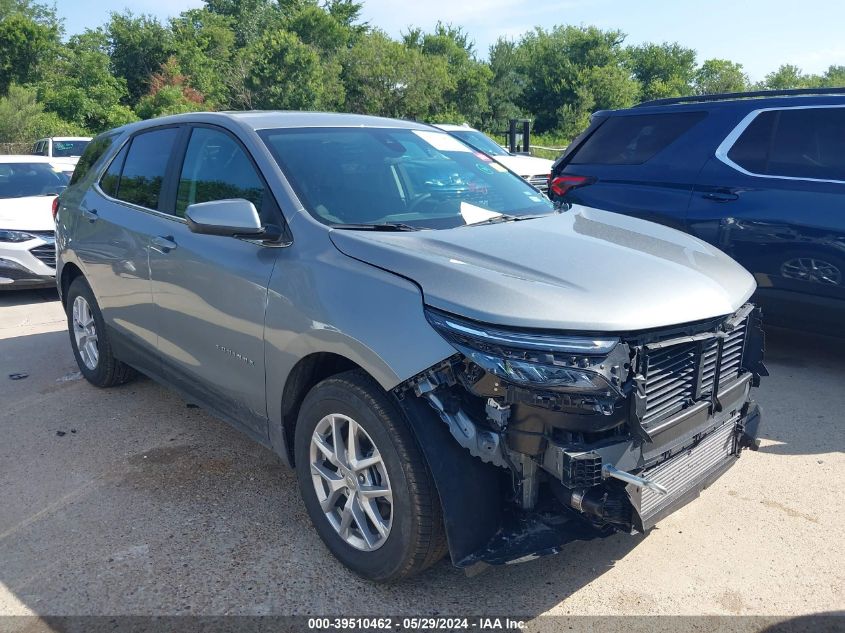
[15, 236]
[558, 362]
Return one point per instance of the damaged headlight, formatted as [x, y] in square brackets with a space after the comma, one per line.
[533, 360]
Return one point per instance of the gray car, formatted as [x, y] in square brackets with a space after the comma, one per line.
[450, 363]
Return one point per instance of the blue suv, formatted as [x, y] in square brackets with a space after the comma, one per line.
[761, 175]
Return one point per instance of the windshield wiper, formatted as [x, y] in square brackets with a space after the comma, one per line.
[379, 226]
[504, 217]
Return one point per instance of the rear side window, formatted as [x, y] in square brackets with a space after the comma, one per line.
[216, 168]
[91, 155]
[797, 143]
[633, 140]
[143, 170]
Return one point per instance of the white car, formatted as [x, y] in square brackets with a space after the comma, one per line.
[535, 170]
[64, 151]
[28, 187]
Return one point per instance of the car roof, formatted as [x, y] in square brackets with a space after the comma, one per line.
[451, 127]
[25, 158]
[748, 104]
[265, 120]
[71, 138]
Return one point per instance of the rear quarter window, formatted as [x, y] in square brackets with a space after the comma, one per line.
[795, 143]
[93, 152]
[634, 139]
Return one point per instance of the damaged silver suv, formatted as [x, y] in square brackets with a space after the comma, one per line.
[451, 363]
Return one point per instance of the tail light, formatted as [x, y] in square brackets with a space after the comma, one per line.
[561, 185]
[55, 207]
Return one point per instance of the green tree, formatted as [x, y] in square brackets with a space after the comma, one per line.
[285, 73]
[717, 76]
[249, 18]
[663, 70]
[139, 45]
[80, 88]
[787, 76]
[204, 45]
[571, 72]
[385, 77]
[467, 98]
[319, 28]
[23, 119]
[506, 84]
[25, 45]
[834, 77]
[169, 93]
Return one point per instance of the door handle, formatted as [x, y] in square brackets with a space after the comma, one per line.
[720, 196]
[90, 215]
[163, 244]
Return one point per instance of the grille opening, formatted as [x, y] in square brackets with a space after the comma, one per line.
[681, 374]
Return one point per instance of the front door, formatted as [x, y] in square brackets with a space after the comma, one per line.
[210, 291]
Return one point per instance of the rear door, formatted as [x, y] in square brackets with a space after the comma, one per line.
[117, 221]
[631, 165]
[773, 198]
[210, 291]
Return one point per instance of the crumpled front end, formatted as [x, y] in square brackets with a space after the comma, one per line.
[591, 434]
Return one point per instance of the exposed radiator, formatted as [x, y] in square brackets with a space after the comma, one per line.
[684, 472]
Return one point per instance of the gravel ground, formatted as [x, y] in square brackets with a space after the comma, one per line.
[127, 501]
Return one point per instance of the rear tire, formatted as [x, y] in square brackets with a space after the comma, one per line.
[89, 339]
[411, 535]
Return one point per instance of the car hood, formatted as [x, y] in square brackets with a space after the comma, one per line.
[526, 165]
[582, 269]
[33, 213]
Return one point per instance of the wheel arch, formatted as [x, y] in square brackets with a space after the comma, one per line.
[70, 271]
[305, 375]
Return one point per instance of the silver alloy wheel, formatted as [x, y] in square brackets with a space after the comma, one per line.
[812, 269]
[85, 333]
[351, 482]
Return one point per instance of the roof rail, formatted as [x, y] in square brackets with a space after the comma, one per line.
[725, 96]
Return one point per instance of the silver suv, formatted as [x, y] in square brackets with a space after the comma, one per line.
[449, 362]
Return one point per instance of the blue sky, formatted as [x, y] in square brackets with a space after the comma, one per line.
[760, 34]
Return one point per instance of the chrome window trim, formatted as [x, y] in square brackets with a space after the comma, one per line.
[726, 145]
[137, 207]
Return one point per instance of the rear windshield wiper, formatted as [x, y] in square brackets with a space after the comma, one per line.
[379, 226]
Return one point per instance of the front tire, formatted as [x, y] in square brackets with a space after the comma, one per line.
[89, 339]
[365, 482]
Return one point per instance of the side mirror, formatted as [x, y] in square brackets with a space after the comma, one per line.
[236, 217]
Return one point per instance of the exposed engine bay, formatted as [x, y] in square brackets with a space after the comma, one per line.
[617, 431]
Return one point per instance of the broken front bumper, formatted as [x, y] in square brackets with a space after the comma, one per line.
[523, 536]
[523, 470]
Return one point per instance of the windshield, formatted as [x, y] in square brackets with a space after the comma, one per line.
[419, 178]
[480, 141]
[67, 149]
[18, 180]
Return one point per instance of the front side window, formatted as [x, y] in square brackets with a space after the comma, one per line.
[216, 168]
[419, 178]
[144, 168]
[796, 143]
[21, 180]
